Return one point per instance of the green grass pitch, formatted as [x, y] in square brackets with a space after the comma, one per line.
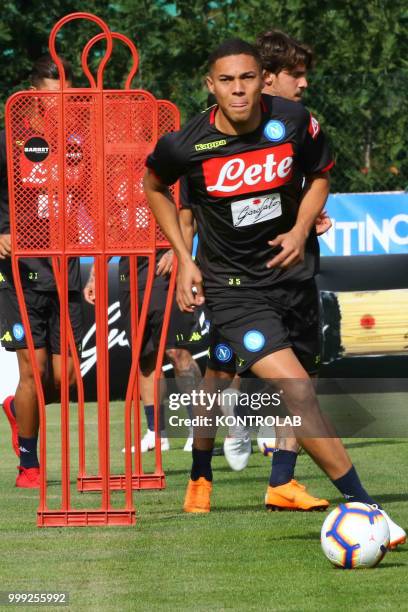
[239, 557]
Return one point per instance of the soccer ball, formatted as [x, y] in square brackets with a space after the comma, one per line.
[355, 535]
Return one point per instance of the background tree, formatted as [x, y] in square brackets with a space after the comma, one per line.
[358, 89]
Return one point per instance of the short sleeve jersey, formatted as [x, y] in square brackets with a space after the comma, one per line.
[36, 273]
[245, 190]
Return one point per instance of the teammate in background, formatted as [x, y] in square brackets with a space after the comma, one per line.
[40, 295]
[260, 147]
[184, 331]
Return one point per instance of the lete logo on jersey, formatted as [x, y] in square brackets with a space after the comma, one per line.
[248, 172]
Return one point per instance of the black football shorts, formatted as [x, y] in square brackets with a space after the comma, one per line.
[44, 314]
[185, 330]
[247, 324]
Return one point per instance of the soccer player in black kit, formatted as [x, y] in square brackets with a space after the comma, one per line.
[40, 295]
[244, 161]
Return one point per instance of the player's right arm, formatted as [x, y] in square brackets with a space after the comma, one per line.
[165, 212]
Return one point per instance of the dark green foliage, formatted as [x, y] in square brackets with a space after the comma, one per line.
[358, 88]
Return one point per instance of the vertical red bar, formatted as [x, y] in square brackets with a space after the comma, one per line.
[134, 326]
[101, 307]
[65, 448]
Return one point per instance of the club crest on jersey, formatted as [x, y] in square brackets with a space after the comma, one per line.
[223, 353]
[274, 130]
[249, 172]
[254, 341]
[18, 332]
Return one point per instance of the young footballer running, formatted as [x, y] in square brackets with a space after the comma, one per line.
[258, 252]
[285, 64]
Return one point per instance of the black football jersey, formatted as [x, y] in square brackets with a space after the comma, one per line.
[245, 190]
[36, 273]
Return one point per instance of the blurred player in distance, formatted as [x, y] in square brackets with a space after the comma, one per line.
[286, 63]
[41, 300]
[179, 337]
[271, 260]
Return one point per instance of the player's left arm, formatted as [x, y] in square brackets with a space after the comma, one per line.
[293, 242]
[315, 160]
[165, 263]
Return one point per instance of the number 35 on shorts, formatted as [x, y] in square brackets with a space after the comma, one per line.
[234, 282]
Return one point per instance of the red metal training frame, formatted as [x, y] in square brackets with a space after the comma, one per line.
[96, 142]
[168, 120]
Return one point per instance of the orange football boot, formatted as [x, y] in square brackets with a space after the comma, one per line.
[198, 495]
[293, 496]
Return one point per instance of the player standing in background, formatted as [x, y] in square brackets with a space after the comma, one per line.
[183, 333]
[256, 228]
[40, 296]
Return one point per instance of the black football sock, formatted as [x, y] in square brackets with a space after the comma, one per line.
[149, 413]
[201, 464]
[28, 452]
[351, 488]
[283, 467]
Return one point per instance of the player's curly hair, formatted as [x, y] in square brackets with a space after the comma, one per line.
[45, 68]
[278, 52]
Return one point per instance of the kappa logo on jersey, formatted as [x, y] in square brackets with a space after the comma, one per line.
[223, 353]
[274, 130]
[206, 146]
[314, 127]
[249, 172]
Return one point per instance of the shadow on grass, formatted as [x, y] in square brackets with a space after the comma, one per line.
[255, 507]
[381, 442]
[384, 566]
[311, 535]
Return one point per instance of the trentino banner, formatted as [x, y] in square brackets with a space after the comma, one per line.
[366, 224]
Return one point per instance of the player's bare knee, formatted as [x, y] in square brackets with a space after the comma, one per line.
[26, 373]
[180, 358]
[299, 396]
